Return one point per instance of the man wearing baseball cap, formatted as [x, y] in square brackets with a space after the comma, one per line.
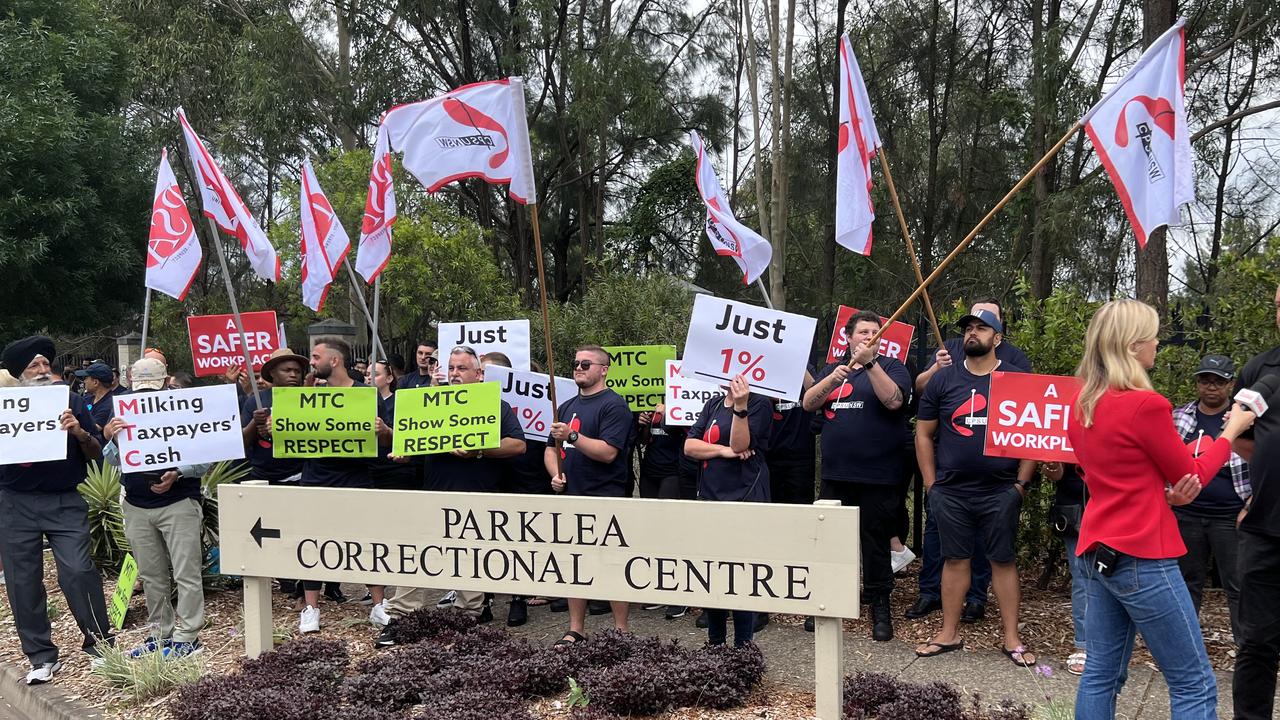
[99, 389]
[1208, 523]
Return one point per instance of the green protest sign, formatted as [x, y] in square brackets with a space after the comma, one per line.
[447, 418]
[124, 592]
[310, 422]
[638, 373]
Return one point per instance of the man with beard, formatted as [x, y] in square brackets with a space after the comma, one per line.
[428, 361]
[970, 493]
[99, 387]
[39, 501]
[594, 428]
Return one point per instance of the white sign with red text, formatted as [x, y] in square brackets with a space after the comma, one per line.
[686, 396]
[529, 397]
[168, 428]
[1027, 416]
[770, 348]
[215, 341]
[894, 343]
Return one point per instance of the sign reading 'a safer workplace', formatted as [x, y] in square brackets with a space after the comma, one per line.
[447, 418]
[636, 373]
[310, 422]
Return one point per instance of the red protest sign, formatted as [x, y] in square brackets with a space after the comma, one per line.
[1028, 416]
[894, 343]
[215, 342]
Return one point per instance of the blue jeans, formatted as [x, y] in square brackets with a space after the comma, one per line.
[931, 567]
[1079, 590]
[1148, 596]
[744, 626]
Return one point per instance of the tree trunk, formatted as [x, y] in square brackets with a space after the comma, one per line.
[1152, 281]
[833, 128]
[753, 77]
[346, 133]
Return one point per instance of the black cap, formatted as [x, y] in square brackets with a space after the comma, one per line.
[1219, 365]
[97, 371]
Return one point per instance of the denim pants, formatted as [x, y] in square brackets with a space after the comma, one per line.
[931, 567]
[1147, 596]
[744, 626]
[1079, 590]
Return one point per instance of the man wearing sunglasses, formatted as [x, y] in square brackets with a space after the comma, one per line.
[428, 361]
[592, 434]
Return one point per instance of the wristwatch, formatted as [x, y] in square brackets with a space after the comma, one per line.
[740, 413]
[573, 436]
[479, 454]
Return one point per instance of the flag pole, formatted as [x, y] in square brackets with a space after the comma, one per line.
[767, 300]
[235, 313]
[974, 233]
[546, 328]
[377, 295]
[146, 323]
[364, 307]
[911, 250]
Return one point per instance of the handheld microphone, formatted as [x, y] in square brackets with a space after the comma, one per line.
[1255, 398]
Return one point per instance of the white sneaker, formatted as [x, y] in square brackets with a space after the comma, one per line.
[378, 614]
[901, 558]
[1, 577]
[43, 674]
[447, 600]
[309, 621]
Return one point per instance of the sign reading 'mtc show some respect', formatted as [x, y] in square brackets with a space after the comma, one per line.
[324, 422]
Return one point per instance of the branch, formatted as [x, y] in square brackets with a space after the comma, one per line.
[1233, 117]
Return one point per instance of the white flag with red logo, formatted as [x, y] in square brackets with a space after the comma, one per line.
[379, 213]
[324, 242]
[728, 236]
[477, 130]
[858, 143]
[1139, 131]
[173, 250]
[223, 205]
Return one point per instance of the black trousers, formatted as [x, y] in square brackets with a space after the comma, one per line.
[792, 482]
[1253, 688]
[25, 520]
[878, 505]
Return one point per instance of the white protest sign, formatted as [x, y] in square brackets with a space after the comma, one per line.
[29, 427]
[505, 336]
[168, 428]
[686, 396]
[526, 393]
[770, 348]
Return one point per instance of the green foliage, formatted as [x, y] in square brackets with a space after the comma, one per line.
[148, 676]
[101, 491]
[620, 310]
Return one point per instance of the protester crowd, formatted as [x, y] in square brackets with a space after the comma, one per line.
[1162, 493]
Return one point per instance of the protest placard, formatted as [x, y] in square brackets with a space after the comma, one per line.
[1028, 416]
[309, 422]
[770, 348]
[215, 341]
[684, 397]
[894, 343]
[29, 427]
[168, 428]
[636, 372]
[505, 336]
[119, 605]
[447, 418]
[529, 398]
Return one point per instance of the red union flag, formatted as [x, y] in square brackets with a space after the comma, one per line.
[223, 205]
[173, 250]
[858, 143]
[215, 342]
[1028, 416]
[894, 343]
[1139, 131]
[475, 131]
[727, 235]
[379, 213]
[324, 242]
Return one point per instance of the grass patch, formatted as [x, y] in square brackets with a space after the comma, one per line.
[148, 676]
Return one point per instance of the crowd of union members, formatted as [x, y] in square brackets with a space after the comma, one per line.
[1158, 492]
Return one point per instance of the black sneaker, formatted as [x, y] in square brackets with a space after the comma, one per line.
[652, 606]
[701, 622]
[288, 587]
[599, 607]
[923, 608]
[518, 614]
[808, 624]
[973, 612]
[762, 621]
[387, 638]
[333, 591]
[486, 615]
[367, 599]
[675, 611]
[559, 605]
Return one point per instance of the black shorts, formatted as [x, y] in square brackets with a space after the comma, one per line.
[962, 518]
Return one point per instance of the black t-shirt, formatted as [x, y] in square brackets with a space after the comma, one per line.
[527, 474]
[337, 471]
[387, 473]
[603, 416]
[733, 479]
[1007, 353]
[104, 409]
[861, 438]
[446, 471]
[791, 436]
[1070, 489]
[1218, 498]
[54, 476]
[412, 380]
[1264, 509]
[262, 465]
[664, 448]
[957, 399]
[137, 489]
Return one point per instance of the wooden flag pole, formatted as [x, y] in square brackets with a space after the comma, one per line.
[364, 307]
[911, 250]
[546, 328]
[973, 234]
[377, 295]
[235, 312]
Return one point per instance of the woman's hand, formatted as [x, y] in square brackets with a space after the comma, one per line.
[1183, 491]
[738, 392]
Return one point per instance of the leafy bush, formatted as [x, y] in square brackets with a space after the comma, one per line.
[248, 697]
[430, 624]
[315, 663]
[865, 692]
[936, 700]
[476, 705]
[101, 492]
[885, 697]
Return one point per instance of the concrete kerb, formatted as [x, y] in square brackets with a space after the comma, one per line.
[41, 702]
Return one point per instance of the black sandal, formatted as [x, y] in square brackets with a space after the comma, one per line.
[942, 648]
[570, 638]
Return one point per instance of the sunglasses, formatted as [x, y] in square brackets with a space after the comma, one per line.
[585, 364]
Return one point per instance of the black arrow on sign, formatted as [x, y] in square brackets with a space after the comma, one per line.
[258, 532]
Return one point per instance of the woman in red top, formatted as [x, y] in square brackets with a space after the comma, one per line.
[1135, 465]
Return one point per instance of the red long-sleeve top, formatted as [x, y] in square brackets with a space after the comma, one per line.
[1129, 454]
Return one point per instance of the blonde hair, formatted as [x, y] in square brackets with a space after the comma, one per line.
[1109, 363]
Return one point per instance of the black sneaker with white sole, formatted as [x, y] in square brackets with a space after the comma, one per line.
[387, 638]
[675, 612]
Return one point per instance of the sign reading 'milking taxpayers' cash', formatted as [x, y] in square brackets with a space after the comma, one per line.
[447, 418]
[529, 398]
[894, 343]
[167, 428]
[1027, 416]
[510, 337]
[29, 427]
[770, 348]
[215, 341]
[310, 422]
[685, 396]
[636, 373]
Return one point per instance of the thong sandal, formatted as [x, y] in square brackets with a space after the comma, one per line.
[570, 638]
[942, 648]
[1018, 656]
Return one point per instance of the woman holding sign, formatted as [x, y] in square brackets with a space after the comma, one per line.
[1136, 465]
[730, 439]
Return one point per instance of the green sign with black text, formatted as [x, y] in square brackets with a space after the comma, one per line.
[638, 373]
[312, 422]
[447, 418]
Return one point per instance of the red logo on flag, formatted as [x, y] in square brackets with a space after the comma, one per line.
[170, 227]
[465, 114]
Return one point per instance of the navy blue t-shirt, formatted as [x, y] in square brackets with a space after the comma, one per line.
[387, 473]
[54, 476]
[262, 465]
[733, 479]
[861, 438]
[1218, 498]
[791, 441]
[137, 489]
[527, 474]
[603, 416]
[664, 455]
[957, 399]
[446, 471]
[1007, 353]
[337, 471]
[104, 409]
[413, 380]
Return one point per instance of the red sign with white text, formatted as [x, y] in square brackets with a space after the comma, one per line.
[895, 342]
[215, 342]
[1027, 416]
